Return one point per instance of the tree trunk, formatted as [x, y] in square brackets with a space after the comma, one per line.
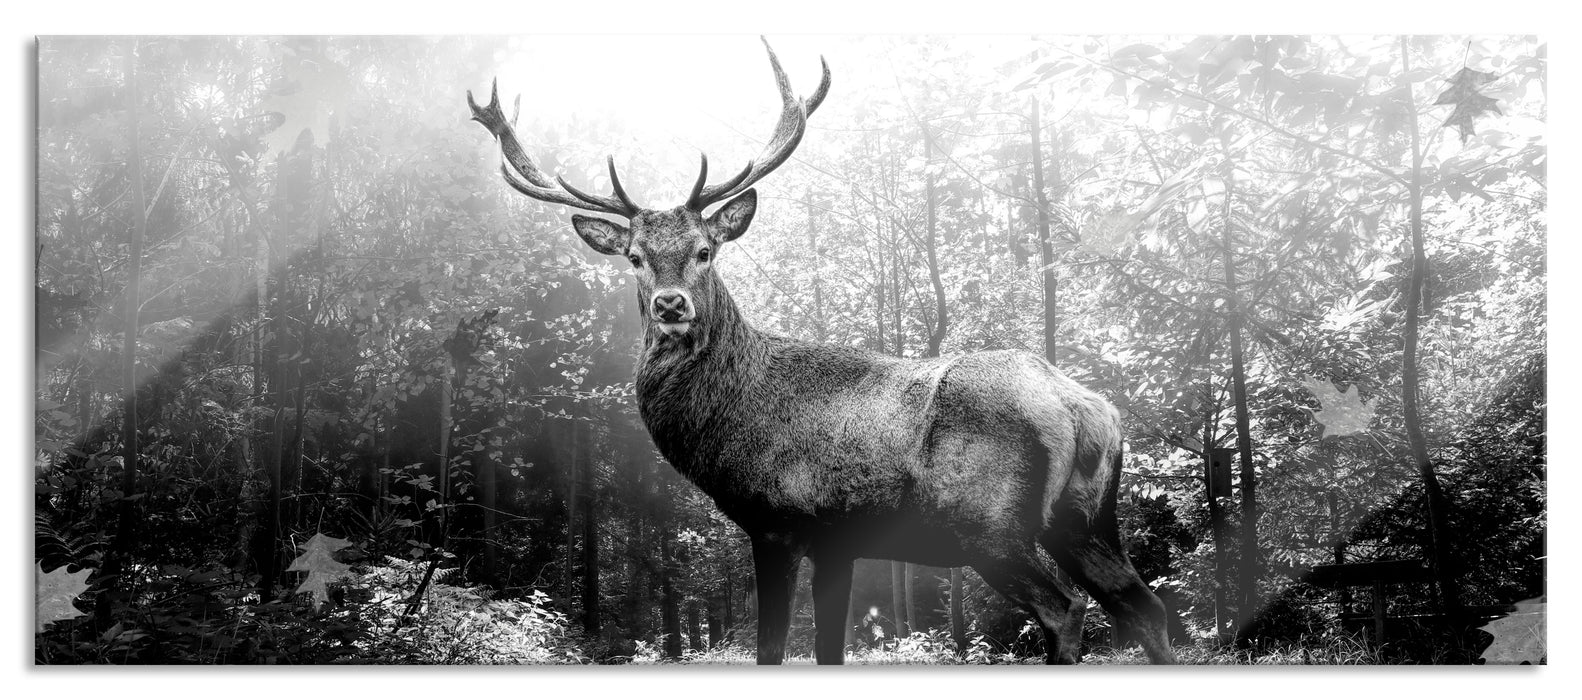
[275, 457]
[293, 172]
[1251, 561]
[1046, 246]
[936, 335]
[898, 330]
[639, 555]
[898, 610]
[590, 533]
[958, 623]
[729, 601]
[1338, 543]
[879, 293]
[447, 389]
[670, 603]
[819, 327]
[299, 403]
[935, 340]
[717, 604]
[262, 542]
[486, 474]
[1216, 516]
[694, 625]
[295, 185]
[126, 516]
[567, 566]
[384, 474]
[1051, 289]
[910, 572]
[1441, 558]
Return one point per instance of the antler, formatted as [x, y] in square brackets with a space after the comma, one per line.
[531, 181]
[788, 133]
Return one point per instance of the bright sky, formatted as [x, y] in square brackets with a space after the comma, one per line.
[674, 94]
[678, 94]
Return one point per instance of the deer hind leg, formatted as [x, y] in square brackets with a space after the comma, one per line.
[775, 563]
[1099, 564]
[1028, 580]
[831, 607]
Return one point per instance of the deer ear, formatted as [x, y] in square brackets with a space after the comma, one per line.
[605, 236]
[731, 221]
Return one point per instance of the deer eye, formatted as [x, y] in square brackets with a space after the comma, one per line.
[636, 261]
[703, 255]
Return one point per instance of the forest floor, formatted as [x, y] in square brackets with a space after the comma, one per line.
[1336, 653]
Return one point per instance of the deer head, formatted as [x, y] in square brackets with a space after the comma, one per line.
[672, 251]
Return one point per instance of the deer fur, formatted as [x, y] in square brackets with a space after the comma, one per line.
[993, 460]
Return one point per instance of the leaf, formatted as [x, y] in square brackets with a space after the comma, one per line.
[317, 559]
[1520, 636]
[1343, 412]
[53, 593]
[1107, 235]
[1469, 102]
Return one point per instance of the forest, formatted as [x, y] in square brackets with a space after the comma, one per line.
[314, 385]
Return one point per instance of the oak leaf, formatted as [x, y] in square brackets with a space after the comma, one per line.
[318, 560]
[53, 593]
[1519, 637]
[1343, 412]
[1469, 102]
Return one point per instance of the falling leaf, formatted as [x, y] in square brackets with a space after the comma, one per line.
[1469, 103]
[1520, 636]
[322, 91]
[1343, 412]
[1464, 83]
[53, 594]
[317, 559]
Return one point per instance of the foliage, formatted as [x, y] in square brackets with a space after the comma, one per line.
[458, 625]
[338, 289]
[209, 616]
[179, 615]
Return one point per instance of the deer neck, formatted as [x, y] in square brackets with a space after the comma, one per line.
[689, 389]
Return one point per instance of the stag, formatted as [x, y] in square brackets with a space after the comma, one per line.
[993, 460]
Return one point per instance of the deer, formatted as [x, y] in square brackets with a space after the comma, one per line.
[994, 460]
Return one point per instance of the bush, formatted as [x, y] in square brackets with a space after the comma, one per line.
[212, 616]
[456, 625]
[177, 615]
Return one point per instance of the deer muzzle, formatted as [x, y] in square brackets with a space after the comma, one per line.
[673, 310]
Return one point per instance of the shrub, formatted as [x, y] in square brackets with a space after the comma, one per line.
[177, 615]
[457, 625]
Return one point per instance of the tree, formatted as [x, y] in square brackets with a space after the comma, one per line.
[126, 533]
[1322, 258]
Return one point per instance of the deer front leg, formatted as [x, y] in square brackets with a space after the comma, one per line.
[775, 561]
[831, 607]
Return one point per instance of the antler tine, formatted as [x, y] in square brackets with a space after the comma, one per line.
[817, 99]
[527, 178]
[696, 200]
[788, 133]
[697, 187]
[620, 192]
[619, 204]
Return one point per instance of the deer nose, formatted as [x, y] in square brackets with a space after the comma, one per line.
[670, 306]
